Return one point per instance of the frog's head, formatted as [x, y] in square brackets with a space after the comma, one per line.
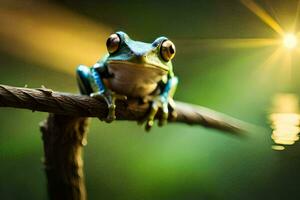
[124, 51]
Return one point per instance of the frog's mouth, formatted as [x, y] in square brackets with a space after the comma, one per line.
[140, 65]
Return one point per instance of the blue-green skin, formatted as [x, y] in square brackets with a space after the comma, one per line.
[135, 70]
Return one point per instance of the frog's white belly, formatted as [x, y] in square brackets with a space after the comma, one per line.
[134, 80]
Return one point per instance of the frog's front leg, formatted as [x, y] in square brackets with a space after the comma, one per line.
[163, 101]
[91, 83]
[110, 97]
[84, 79]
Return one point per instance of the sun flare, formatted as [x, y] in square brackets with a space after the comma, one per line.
[290, 41]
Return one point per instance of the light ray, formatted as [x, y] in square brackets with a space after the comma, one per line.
[272, 11]
[51, 36]
[228, 42]
[297, 50]
[264, 68]
[273, 58]
[296, 17]
[263, 15]
[287, 66]
[248, 42]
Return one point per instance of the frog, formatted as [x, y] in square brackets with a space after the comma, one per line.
[133, 69]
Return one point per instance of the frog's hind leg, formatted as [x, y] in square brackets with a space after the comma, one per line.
[84, 77]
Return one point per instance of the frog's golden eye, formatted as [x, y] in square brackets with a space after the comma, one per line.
[113, 43]
[167, 50]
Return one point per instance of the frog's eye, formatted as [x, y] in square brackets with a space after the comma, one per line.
[167, 50]
[113, 43]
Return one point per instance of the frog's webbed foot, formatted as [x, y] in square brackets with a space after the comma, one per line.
[110, 99]
[166, 104]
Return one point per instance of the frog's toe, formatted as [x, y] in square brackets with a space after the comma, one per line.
[151, 116]
[164, 117]
[112, 106]
[111, 116]
[160, 103]
[149, 125]
[109, 98]
[97, 95]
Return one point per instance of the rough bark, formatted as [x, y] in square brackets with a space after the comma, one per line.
[63, 138]
[46, 100]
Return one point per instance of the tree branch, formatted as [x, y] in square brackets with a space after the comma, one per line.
[46, 100]
[63, 138]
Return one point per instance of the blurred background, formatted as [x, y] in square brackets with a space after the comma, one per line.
[231, 57]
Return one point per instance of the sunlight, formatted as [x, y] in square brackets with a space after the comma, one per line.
[296, 17]
[270, 62]
[232, 43]
[248, 42]
[287, 66]
[273, 58]
[38, 34]
[285, 116]
[285, 120]
[290, 41]
[263, 15]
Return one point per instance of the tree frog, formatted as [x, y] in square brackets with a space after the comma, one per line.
[133, 69]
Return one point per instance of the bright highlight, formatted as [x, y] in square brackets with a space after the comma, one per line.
[290, 41]
[285, 120]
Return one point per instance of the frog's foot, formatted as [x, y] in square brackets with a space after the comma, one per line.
[110, 99]
[163, 103]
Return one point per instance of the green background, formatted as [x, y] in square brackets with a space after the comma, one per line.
[176, 161]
